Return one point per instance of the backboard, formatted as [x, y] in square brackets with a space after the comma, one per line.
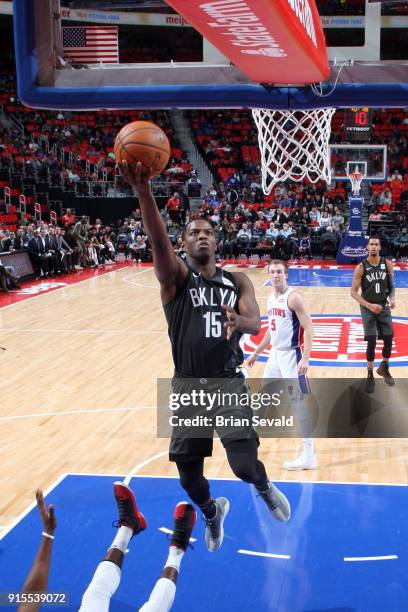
[370, 159]
[370, 72]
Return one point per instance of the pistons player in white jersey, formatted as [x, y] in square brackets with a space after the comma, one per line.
[290, 334]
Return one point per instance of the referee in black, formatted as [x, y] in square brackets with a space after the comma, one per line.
[375, 277]
[207, 311]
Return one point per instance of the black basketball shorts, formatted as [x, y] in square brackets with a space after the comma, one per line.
[189, 444]
[379, 325]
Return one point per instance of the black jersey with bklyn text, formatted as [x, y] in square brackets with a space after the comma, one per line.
[196, 326]
[374, 283]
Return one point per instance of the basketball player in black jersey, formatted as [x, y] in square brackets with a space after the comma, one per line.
[374, 276]
[207, 311]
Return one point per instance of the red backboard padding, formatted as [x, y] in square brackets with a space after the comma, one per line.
[271, 41]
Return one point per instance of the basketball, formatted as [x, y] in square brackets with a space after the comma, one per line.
[145, 142]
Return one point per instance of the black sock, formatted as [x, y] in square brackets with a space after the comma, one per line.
[370, 369]
[263, 487]
[209, 509]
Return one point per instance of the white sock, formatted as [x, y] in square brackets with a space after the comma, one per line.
[103, 585]
[308, 447]
[122, 538]
[161, 598]
[175, 557]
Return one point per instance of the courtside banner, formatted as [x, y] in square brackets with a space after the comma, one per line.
[271, 41]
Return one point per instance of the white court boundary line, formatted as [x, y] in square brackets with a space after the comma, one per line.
[139, 466]
[169, 531]
[254, 553]
[82, 331]
[33, 505]
[317, 482]
[68, 286]
[81, 411]
[126, 280]
[380, 558]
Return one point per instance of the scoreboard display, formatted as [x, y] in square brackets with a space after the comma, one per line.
[358, 124]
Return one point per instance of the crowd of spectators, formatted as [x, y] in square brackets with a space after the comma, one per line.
[74, 244]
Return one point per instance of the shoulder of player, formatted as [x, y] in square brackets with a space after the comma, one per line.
[295, 300]
[359, 269]
[242, 280]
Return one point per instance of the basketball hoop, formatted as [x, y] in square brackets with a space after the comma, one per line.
[356, 177]
[293, 145]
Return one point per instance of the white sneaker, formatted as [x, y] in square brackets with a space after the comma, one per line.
[302, 463]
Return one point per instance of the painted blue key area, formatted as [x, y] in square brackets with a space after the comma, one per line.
[329, 522]
[334, 278]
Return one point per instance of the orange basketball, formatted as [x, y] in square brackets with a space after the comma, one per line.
[145, 142]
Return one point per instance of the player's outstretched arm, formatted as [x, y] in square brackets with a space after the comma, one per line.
[391, 286]
[260, 348]
[169, 268]
[248, 321]
[355, 291]
[297, 304]
[37, 579]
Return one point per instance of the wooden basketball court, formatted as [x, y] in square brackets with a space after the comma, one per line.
[79, 390]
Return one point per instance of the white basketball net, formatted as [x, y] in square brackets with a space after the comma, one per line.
[356, 177]
[293, 145]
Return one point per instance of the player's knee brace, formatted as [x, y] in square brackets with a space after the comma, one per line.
[370, 352]
[103, 585]
[387, 348]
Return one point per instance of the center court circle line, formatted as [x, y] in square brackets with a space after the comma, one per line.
[65, 412]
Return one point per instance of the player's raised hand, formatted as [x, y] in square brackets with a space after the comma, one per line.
[136, 175]
[47, 515]
[232, 322]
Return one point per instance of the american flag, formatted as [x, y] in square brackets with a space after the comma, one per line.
[91, 44]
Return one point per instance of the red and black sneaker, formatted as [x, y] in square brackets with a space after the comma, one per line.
[184, 520]
[129, 514]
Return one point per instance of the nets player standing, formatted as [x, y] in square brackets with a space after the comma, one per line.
[374, 276]
[207, 311]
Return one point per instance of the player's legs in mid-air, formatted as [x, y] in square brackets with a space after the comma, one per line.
[284, 364]
[108, 573]
[162, 597]
[243, 459]
[131, 522]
